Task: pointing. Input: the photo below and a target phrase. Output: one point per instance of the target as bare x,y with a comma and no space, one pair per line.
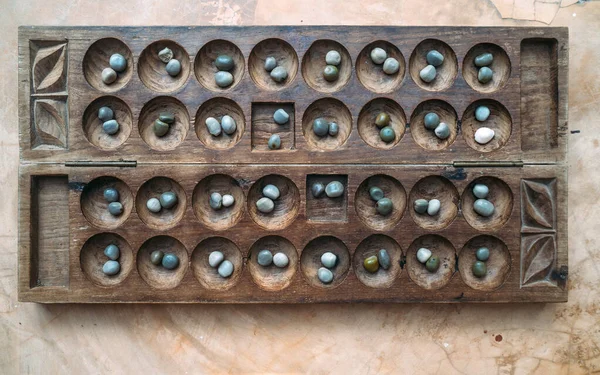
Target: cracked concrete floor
362,339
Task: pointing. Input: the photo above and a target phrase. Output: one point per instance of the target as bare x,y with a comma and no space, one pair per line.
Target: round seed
224,62
270,63
166,117
421,205
333,58
432,263
479,269
215,201
442,131
214,126
371,264
484,59
483,207
434,58
112,252
168,199
481,191
428,73
387,134
317,189
484,135
165,55
328,259
228,200
109,76
382,120
431,120
111,268
320,127
423,255
274,142
325,275
279,74
215,258
334,189
281,116
170,261
156,257
280,260
376,193
223,79
225,269
160,128
482,113
384,259
105,114
228,125
115,208
153,205
265,205
391,66
264,258
271,191
385,206
111,195
334,129
378,55
482,254
173,67
117,62
433,208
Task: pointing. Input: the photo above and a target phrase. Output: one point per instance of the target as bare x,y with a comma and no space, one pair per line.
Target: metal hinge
489,163
108,163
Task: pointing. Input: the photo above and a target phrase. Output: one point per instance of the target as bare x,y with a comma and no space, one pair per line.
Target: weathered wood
60,90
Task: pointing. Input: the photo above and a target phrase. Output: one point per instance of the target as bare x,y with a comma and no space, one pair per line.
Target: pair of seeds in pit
117,64
163,123
426,257
322,127
281,117
167,200
479,267
434,60
484,134
432,122
265,258
109,125
112,266
277,73
384,206
168,261
328,261
224,64
270,194
216,259
374,262
390,65
431,207
483,61
386,132
482,206
111,195
215,127
173,66
217,201
333,189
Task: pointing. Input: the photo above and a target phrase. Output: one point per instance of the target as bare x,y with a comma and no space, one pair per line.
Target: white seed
423,255
227,200
484,135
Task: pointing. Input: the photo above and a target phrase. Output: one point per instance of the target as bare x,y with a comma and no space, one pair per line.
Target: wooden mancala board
67,161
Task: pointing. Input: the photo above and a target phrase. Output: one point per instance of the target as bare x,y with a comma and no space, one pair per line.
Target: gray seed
482,113
264,258
156,257
224,62
428,73
228,200
213,126
271,191
112,252
280,260
421,205
485,74
384,206
168,199
110,127
173,67
118,63
320,127
105,114
434,58
215,201
270,63
170,261
376,193
484,59
111,195
265,205
317,189
325,275
384,259
109,76
481,191
166,117
431,120
215,258
274,142
328,259
482,254
442,131
223,79
434,207
115,208
483,207
153,205
279,74
225,269
160,128
391,66
165,55
111,268
281,116
378,55
228,125
334,189
387,134
334,129
333,58
331,73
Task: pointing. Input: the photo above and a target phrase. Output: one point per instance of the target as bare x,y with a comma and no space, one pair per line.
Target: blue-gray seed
428,73
482,254
105,114
265,205
334,189
228,125
320,127
485,74
170,261
442,131
271,191
482,113
274,142
118,63
376,193
483,207
215,201
391,66
484,59
433,207
214,126
112,252
421,205
281,116
481,191
111,195
264,258
270,63
110,127
325,275
153,205
431,120
224,62
215,258
115,208
378,55
109,76
279,74
173,67
168,199
384,206
317,189
111,268
334,129
434,58
384,259
223,79
225,269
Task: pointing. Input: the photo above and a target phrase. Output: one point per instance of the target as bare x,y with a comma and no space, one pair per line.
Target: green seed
387,134
482,254
376,193
385,206
331,73
479,269
166,117
484,59
156,257
160,128
485,74
382,120
433,263
371,264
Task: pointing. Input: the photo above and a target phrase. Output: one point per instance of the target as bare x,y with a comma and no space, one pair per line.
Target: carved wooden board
67,161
